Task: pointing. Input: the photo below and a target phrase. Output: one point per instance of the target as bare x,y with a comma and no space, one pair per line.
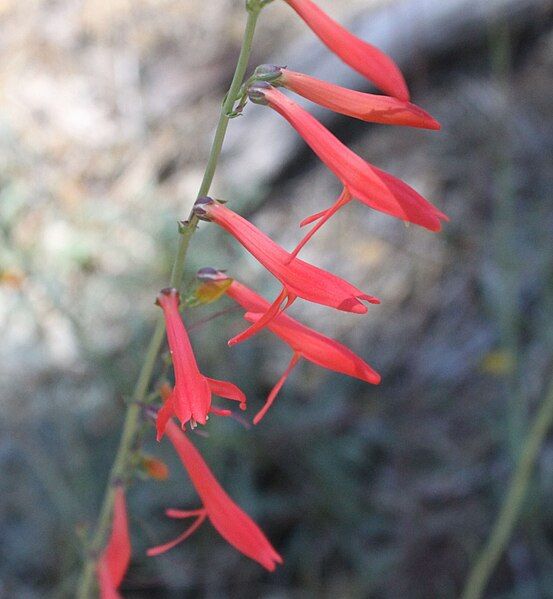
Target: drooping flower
114,561
365,182
366,107
230,521
304,341
364,58
299,279
190,399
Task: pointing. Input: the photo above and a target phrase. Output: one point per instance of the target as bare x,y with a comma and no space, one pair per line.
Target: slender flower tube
366,183
114,561
231,522
299,279
191,397
303,340
366,107
364,58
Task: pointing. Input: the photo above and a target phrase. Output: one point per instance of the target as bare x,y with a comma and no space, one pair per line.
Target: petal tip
371,299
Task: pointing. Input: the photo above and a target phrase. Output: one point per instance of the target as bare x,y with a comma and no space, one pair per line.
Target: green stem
131,427
509,512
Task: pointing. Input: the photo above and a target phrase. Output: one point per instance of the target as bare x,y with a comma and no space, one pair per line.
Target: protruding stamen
190,530
274,310
275,390
344,198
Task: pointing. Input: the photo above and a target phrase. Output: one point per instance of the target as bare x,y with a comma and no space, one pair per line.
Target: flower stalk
132,425
512,504
190,398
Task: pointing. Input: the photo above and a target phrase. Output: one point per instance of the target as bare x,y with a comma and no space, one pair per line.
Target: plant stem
131,427
504,238
512,504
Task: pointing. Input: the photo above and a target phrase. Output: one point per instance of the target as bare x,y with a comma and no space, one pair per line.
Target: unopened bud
200,207
268,72
256,92
211,274
155,468
165,391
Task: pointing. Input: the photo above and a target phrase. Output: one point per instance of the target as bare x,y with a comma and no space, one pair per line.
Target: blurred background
107,111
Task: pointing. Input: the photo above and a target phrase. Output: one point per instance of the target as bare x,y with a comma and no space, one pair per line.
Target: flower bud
211,287
256,92
199,207
165,391
208,273
154,468
268,72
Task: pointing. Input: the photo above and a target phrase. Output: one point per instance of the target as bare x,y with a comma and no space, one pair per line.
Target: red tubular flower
233,524
364,58
303,340
191,397
365,182
367,107
114,561
298,278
